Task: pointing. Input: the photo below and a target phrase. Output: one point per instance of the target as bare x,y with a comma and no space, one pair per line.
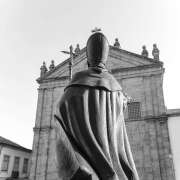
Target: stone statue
43,69
92,142
77,50
52,66
155,52
117,44
144,51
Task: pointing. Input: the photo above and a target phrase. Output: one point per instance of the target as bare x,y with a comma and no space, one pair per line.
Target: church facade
146,118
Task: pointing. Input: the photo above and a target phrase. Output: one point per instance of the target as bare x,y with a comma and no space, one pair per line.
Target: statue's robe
91,114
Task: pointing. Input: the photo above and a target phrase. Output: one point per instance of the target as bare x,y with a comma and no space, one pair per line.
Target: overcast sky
36,30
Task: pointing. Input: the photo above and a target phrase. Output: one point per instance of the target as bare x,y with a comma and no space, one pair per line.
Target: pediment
118,58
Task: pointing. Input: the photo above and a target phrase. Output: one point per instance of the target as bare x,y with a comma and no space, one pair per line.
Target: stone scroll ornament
92,142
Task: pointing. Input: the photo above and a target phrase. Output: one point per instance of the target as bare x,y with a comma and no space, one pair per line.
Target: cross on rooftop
70,51
96,30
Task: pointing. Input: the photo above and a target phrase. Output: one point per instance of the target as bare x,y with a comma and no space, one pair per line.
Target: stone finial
117,44
144,51
77,50
70,62
43,69
52,66
155,52
71,50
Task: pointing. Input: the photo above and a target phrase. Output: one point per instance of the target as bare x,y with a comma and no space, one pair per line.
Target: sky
37,30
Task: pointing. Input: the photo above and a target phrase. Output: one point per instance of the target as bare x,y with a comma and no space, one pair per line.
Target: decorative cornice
61,78
155,63
161,118
113,71
16,148
59,66
136,68
134,54
173,112
42,129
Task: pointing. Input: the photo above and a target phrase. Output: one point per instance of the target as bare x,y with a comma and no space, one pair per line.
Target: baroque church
146,117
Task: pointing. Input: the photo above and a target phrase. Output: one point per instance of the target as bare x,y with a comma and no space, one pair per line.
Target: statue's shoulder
93,73
80,74
96,79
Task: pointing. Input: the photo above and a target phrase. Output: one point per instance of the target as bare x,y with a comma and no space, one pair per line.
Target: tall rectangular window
134,111
5,163
25,166
16,163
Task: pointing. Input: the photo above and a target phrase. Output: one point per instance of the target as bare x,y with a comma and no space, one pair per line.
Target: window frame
3,163
14,165
25,166
132,113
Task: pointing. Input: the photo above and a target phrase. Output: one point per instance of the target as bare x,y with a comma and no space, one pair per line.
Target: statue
77,50
43,69
144,52
117,44
155,52
90,113
52,66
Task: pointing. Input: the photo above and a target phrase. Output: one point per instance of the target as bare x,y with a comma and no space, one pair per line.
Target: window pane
25,165
5,163
16,164
134,112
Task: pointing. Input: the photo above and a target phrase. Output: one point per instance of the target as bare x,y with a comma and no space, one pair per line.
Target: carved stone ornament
155,52
144,51
117,44
52,66
43,69
77,50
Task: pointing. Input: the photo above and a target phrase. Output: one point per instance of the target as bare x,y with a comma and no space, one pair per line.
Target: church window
134,112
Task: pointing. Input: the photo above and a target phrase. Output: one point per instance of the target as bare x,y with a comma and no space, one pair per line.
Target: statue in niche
92,142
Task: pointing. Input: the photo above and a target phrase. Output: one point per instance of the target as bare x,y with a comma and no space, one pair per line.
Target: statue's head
97,49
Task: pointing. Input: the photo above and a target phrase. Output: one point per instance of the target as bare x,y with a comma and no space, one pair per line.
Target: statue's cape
91,115
96,77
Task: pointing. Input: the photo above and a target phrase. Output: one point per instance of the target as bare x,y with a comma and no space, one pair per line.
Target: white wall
174,132
12,153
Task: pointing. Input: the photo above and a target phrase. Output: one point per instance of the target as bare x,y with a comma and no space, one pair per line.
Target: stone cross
70,52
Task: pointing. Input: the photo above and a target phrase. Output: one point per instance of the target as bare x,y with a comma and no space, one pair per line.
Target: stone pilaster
166,163
42,134
34,158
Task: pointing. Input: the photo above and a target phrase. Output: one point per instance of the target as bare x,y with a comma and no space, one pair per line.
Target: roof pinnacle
144,52
43,69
